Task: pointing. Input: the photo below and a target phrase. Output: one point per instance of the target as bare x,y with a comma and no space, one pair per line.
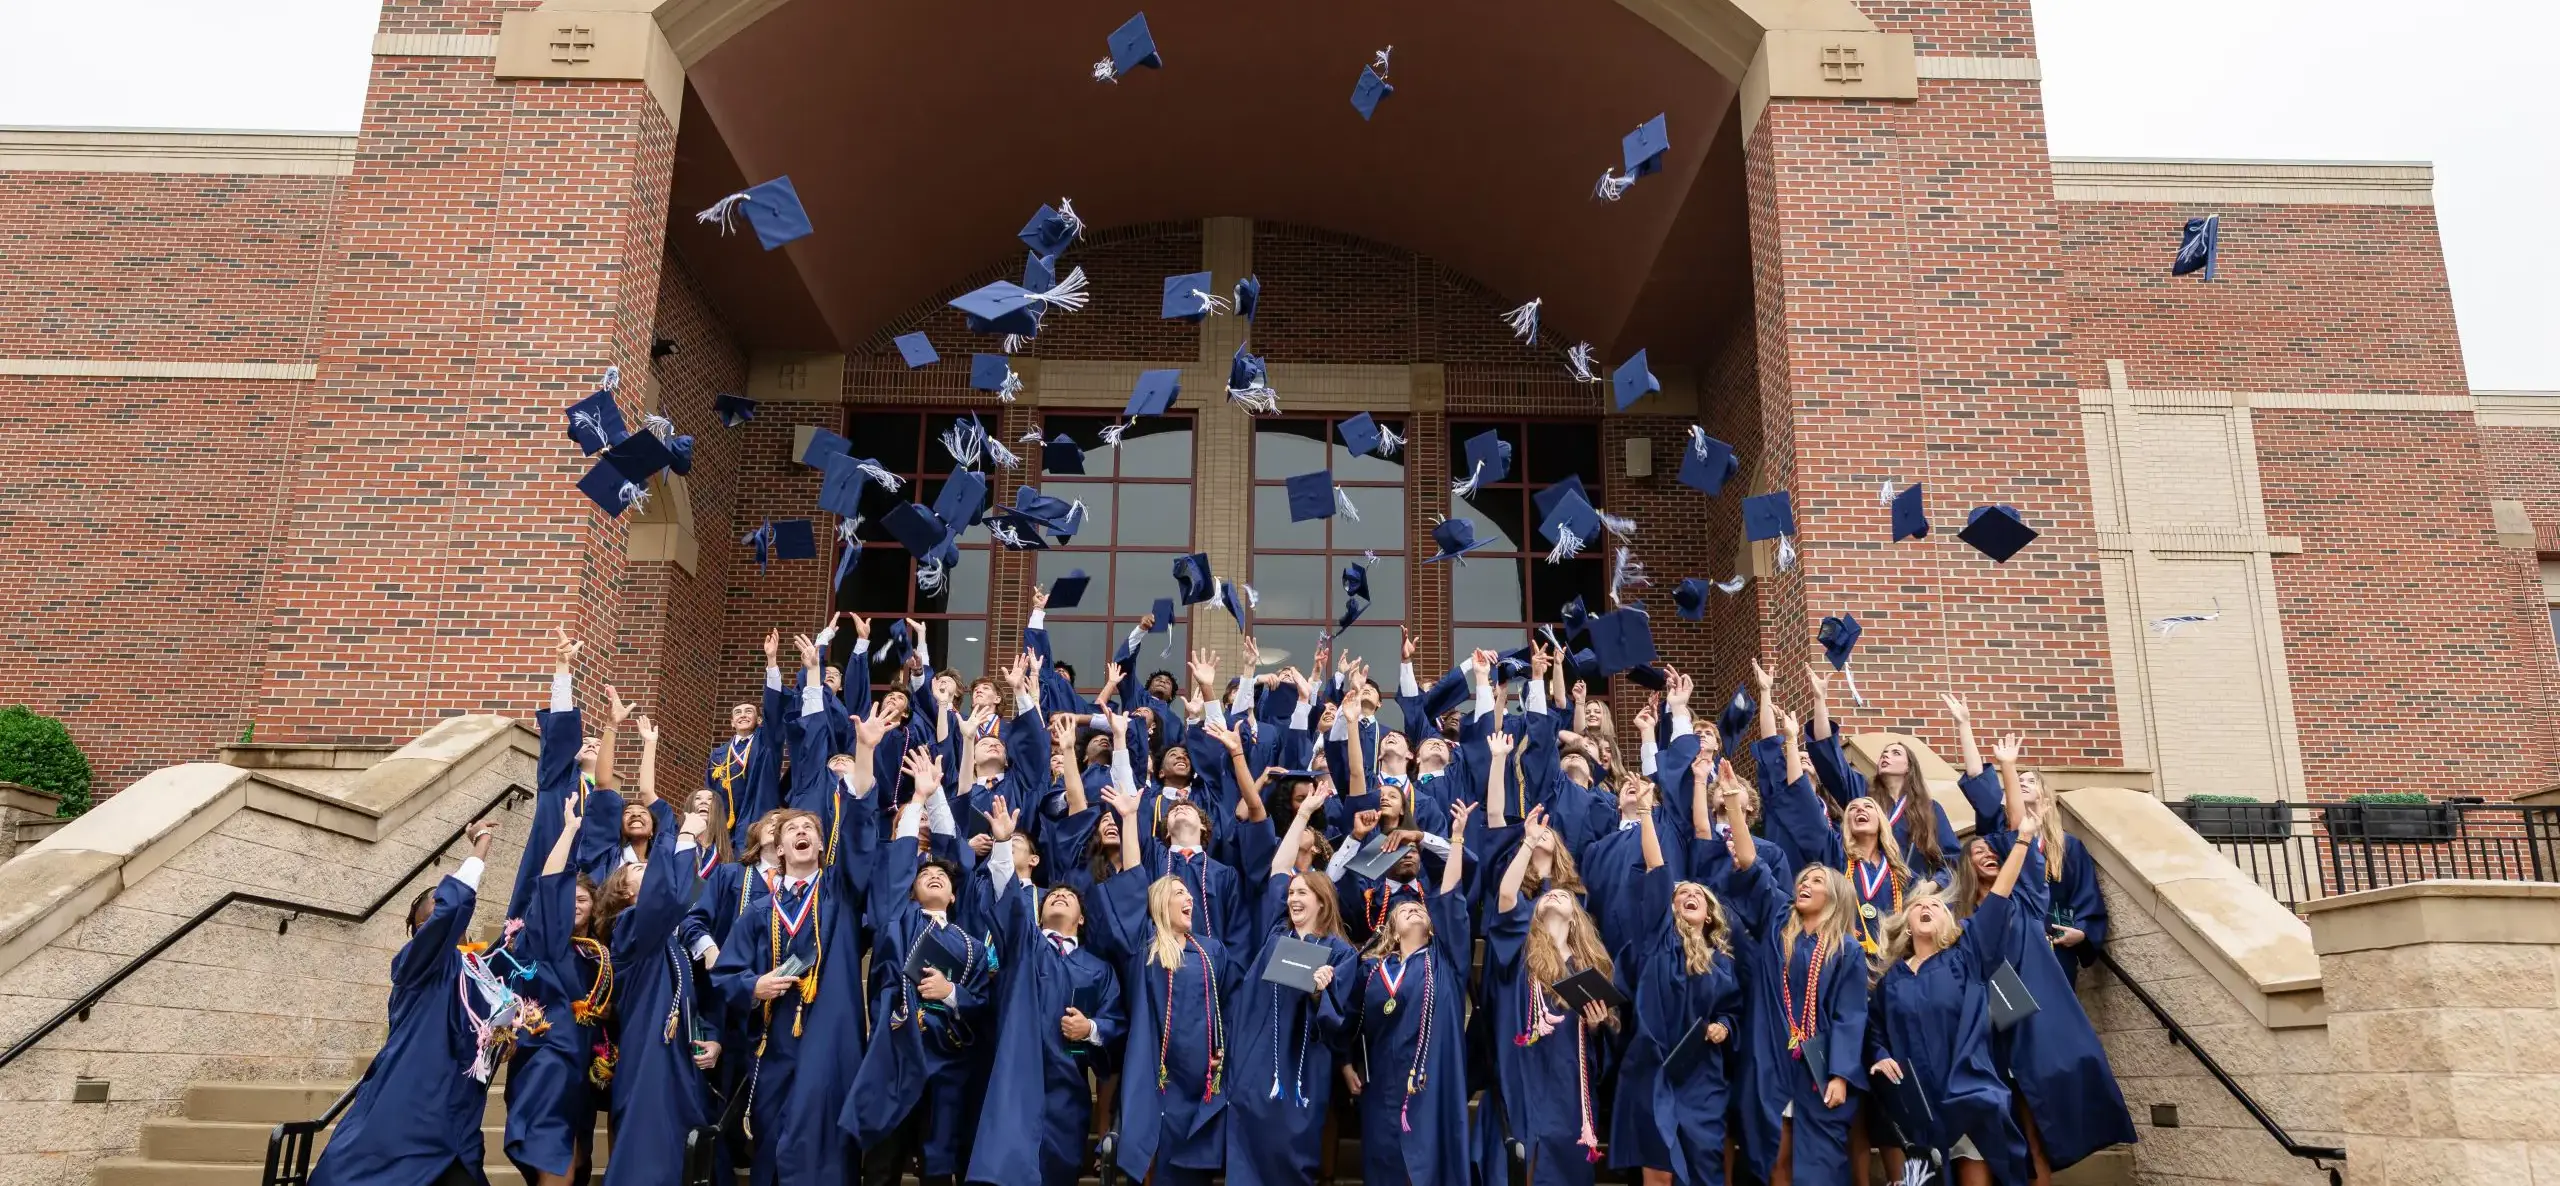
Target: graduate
1862,846
1182,851
1549,1055
1059,1019
1411,1064
1011,762
745,771
1673,1092
793,967
2076,917
550,1110
1805,1018
663,1040
1173,1081
931,998
1284,1044
1897,786
415,1118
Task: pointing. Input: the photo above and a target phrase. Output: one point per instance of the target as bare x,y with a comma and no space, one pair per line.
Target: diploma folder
1294,962
794,967
1376,858
1588,985
2010,1002
1085,997
1906,1110
1691,1050
934,949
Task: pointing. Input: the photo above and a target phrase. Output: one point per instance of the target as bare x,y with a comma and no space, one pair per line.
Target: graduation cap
1163,612
1544,501
1052,229
840,492
2198,246
1062,456
994,372
1622,639
1997,532
917,349
734,409
1248,297
1192,579
1571,525
772,208
1633,380
1067,592
1707,464
679,445
1575,616
1249,383
1015,531
1734,718
1772,516
1187,298
962,501
1154,393
1691,598
1583,665
916,529
1640,151
1369,91
1838,635
1365,437
611,489
1910,515
1061,517
595,422
822,445
1453,538
1488,459
1132,46
640,456
1311,496
1239,598
794,539
1376,858
1007,308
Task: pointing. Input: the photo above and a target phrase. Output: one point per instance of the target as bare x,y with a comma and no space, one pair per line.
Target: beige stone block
2532,1039
2376,1105
2490,1106
2441,974
2445,1162
2544,1157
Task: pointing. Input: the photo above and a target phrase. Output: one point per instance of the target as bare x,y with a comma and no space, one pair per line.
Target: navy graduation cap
1545,500
1008,308
822,445
1355,595
1192,579
1062,455
772,208
1187,298
1642,149
1838,636
1734,721
1690,596
1067,592
1249,383
1622,639
793,539
734,409
916,529
840,492
1575,616
595,422
1707,464
1015,531
1997,531
1488,458
611,489
640,455
1369,91
1162,611
1237,598
1132,46
1910,515
994,372
1248,297
2198,246
1364,436
1768,516
1311,496
1155,392
963,500
1052,229
1633,380
917,349
1060,516
1571,526
1454,538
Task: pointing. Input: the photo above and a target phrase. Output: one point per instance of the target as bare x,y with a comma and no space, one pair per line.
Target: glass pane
1154,516
1154,448
1367,467
1096,496
1552,585
1469,638
1152,654
937,460
1286,646
1382,647
967,587
1500,515
1460,434
1086,432
1561,448
1381,524
966,650
876,503
1084,645
1386,588
881,582
887,437
1291,587
1486,591
1054,564
1287,448
1271,525
1138,579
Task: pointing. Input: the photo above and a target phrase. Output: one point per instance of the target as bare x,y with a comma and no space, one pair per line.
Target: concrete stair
220,1136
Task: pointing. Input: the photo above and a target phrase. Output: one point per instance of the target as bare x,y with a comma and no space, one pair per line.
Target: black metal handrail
291,1144
78,1010
2317,1155
2300,852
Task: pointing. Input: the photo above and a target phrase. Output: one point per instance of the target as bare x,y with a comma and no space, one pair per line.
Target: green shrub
2391,798
36,751
2222,799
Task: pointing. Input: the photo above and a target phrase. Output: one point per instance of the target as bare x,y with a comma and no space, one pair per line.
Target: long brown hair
620,890
1328,904
1546,962
1913,790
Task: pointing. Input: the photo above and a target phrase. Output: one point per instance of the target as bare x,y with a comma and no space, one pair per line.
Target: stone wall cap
2440,911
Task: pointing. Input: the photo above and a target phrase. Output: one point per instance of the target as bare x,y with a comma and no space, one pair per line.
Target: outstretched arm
1761,681
1286,859
1453,874
1964,732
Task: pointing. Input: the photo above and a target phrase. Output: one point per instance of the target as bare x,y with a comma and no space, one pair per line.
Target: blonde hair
1171,944
1700,943
1582,939
2048,824
1561,872
1898,928
1383,940
1832,925
1913,790
1885,844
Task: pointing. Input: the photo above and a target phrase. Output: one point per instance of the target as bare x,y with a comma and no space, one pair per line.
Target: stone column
2444,1029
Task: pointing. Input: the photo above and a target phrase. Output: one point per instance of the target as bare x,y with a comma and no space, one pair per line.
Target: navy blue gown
1173,1100
920,1051
1037,1071
658,1094
1412,1054
1666,1119
1780,1079
1549,1060
550,1114
1936,1023
1282,1054
746,773
417,1113
1845,782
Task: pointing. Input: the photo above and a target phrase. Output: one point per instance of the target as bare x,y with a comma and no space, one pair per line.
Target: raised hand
1459,813
1956,711
1122,803
1539,661
1252,654
1682,687
1787,725
1647,716
1406,646
871,730
772,646
565,648
698,826
2006,750
480,837
1818,683
1314,802
1363,823
647,730
1111,676
861,627
1499,744
925,770
1000,820
1761,679
1203,669
621,708
808,651
1039,598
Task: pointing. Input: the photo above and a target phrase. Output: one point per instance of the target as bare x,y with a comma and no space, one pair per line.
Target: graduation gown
1282,1054
1935,1023
1178,1029
551,1113
1220,912
920,1051
1037,1072
746,774
1779,1078
417,1112
2053,1056
1550,1081
2073,901
1412,1053
1669,1119
1844,782
658,1094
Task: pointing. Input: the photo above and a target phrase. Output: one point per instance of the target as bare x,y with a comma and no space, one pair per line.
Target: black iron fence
2304,851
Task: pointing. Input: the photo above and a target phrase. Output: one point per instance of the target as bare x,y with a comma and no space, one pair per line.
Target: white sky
2302,79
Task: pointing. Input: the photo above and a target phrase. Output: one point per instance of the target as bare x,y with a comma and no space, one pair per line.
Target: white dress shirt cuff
469,873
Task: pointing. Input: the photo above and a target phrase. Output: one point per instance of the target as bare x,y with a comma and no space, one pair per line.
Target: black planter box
2390,823
2237,821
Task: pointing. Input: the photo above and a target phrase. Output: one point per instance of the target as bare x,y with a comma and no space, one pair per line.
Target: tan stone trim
2436,912
2514,524
795,377
2517,409
2340,401
2006,69
435,45
2323,183
131,368
665,532
153,150
597,39
1827,64
2198,541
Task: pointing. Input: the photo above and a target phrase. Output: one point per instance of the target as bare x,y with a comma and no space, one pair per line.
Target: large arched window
882,584
1507,587
1137,499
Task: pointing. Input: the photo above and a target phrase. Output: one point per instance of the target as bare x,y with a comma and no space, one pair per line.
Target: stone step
2106,1167
246,1141
265,1103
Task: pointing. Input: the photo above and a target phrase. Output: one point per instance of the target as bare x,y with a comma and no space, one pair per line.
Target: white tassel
1252,600
1568,546
1583,364
724,212
613,378
1625,573
1069,294
1380,64
1111,433
997,454
1915,1172
1342,503
886,480
1388,441
1884,494
1851,678
1256,400
658,424
1618,525
1004,533
635,497
1732,586
1067,213
1104,71
590,422
1032,437
1075,517
844,531
1012,386
964,441
1467,487
1369,557
1612,187
929,577
1698,441
2171,625
1524,321
1212,304
1786,552
1013,345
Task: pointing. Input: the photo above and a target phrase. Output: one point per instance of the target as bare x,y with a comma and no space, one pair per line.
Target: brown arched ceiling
922,136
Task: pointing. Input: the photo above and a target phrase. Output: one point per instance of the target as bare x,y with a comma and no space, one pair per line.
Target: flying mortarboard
1642,149
916,529
1192,578
1647,675
1997,531
1910,515
917,349
1544,501
1369,91
1691,598
1571,525
1067,592
1187,298
1163,612
1132,46
1052,228
1248,297
1311,496
1488,458
1061,455
595,422
1364,436
1453,538
1238,599
1633,380
840,492
994,372
1734,718
1575,616
794,539
1707,464
1622,639
611,489
772,208
822,445
1015,531
1772,516
1061,517
1154,393
2198,246
1355,595
962,501
1838,635
679,445
1006,308
734,409
1249,383
640,455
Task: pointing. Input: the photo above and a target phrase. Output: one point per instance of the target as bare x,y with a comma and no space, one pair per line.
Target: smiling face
1097,750
1928,915
742,719
800,842
1394,747
1813,892
1986,863
946,687
1062,911
1689,903
893,706
933,887
982,695
704,803
586,907
1160,685
1179,907
1865,818
1595,717
1635,796
1177,764
1304,909
1183,824
637,826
